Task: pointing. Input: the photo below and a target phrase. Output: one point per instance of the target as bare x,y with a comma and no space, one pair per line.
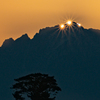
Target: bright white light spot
62,26
69,22
79,24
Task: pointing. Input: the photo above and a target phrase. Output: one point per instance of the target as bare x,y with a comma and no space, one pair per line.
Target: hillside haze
71,55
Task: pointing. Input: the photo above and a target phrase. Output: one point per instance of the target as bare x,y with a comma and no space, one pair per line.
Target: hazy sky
28,16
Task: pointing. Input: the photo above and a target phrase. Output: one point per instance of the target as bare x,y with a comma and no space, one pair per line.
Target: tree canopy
36,86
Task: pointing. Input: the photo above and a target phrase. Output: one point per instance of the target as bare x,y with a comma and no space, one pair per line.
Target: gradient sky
28,16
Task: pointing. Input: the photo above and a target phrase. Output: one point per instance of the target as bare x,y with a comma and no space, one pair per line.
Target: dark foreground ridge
71,54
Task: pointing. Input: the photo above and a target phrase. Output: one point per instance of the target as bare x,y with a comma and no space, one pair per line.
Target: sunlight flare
62,26
69,22
79,25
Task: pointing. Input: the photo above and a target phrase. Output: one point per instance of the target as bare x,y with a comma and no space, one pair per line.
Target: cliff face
71,54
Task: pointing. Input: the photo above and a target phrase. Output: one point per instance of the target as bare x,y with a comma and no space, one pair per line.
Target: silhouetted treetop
37,86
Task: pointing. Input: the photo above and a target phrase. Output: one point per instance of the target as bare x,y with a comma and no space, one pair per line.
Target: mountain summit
8,42
69,52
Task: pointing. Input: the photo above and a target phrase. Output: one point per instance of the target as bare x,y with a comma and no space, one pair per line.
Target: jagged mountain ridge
72,56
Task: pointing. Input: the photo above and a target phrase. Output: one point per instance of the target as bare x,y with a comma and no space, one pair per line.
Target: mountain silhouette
8,42
71,54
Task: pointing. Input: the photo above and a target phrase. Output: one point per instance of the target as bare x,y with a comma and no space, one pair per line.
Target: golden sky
28,16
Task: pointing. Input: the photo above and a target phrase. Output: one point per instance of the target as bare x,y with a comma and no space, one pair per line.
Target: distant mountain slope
71,54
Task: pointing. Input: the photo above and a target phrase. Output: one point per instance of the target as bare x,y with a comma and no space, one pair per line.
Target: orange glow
29,16
69,22
62,26
79,24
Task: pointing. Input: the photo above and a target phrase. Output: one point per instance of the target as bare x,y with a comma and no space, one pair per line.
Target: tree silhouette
36,86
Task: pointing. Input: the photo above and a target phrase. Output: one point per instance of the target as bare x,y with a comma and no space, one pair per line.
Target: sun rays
69,26
62,26
69,22
66,29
